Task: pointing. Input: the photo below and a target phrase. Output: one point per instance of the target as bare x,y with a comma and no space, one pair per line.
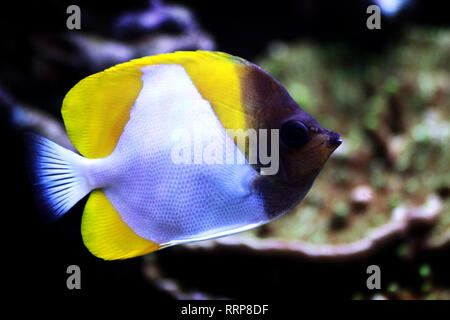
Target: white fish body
154,143
168,202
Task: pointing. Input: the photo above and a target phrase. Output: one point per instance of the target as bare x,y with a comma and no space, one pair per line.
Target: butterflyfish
176,148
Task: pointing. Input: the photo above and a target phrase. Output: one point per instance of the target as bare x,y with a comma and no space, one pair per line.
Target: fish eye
294,134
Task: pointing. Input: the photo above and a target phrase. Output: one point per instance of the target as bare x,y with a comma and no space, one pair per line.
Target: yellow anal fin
106,235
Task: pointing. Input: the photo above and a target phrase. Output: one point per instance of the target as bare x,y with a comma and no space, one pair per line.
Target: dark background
35,256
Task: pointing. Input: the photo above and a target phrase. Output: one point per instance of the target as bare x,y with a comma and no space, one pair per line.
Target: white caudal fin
58,176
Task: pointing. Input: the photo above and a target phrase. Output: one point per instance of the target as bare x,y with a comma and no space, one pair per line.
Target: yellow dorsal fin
96,110
106,235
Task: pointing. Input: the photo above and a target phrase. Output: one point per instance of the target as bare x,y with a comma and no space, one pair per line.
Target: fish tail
58,176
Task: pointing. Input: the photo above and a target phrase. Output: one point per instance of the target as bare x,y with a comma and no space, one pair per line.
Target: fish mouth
334,140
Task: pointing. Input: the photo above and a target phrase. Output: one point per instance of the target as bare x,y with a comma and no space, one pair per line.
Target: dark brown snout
334,140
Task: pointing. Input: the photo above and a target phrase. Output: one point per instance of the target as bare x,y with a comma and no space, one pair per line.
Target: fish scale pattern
159,177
